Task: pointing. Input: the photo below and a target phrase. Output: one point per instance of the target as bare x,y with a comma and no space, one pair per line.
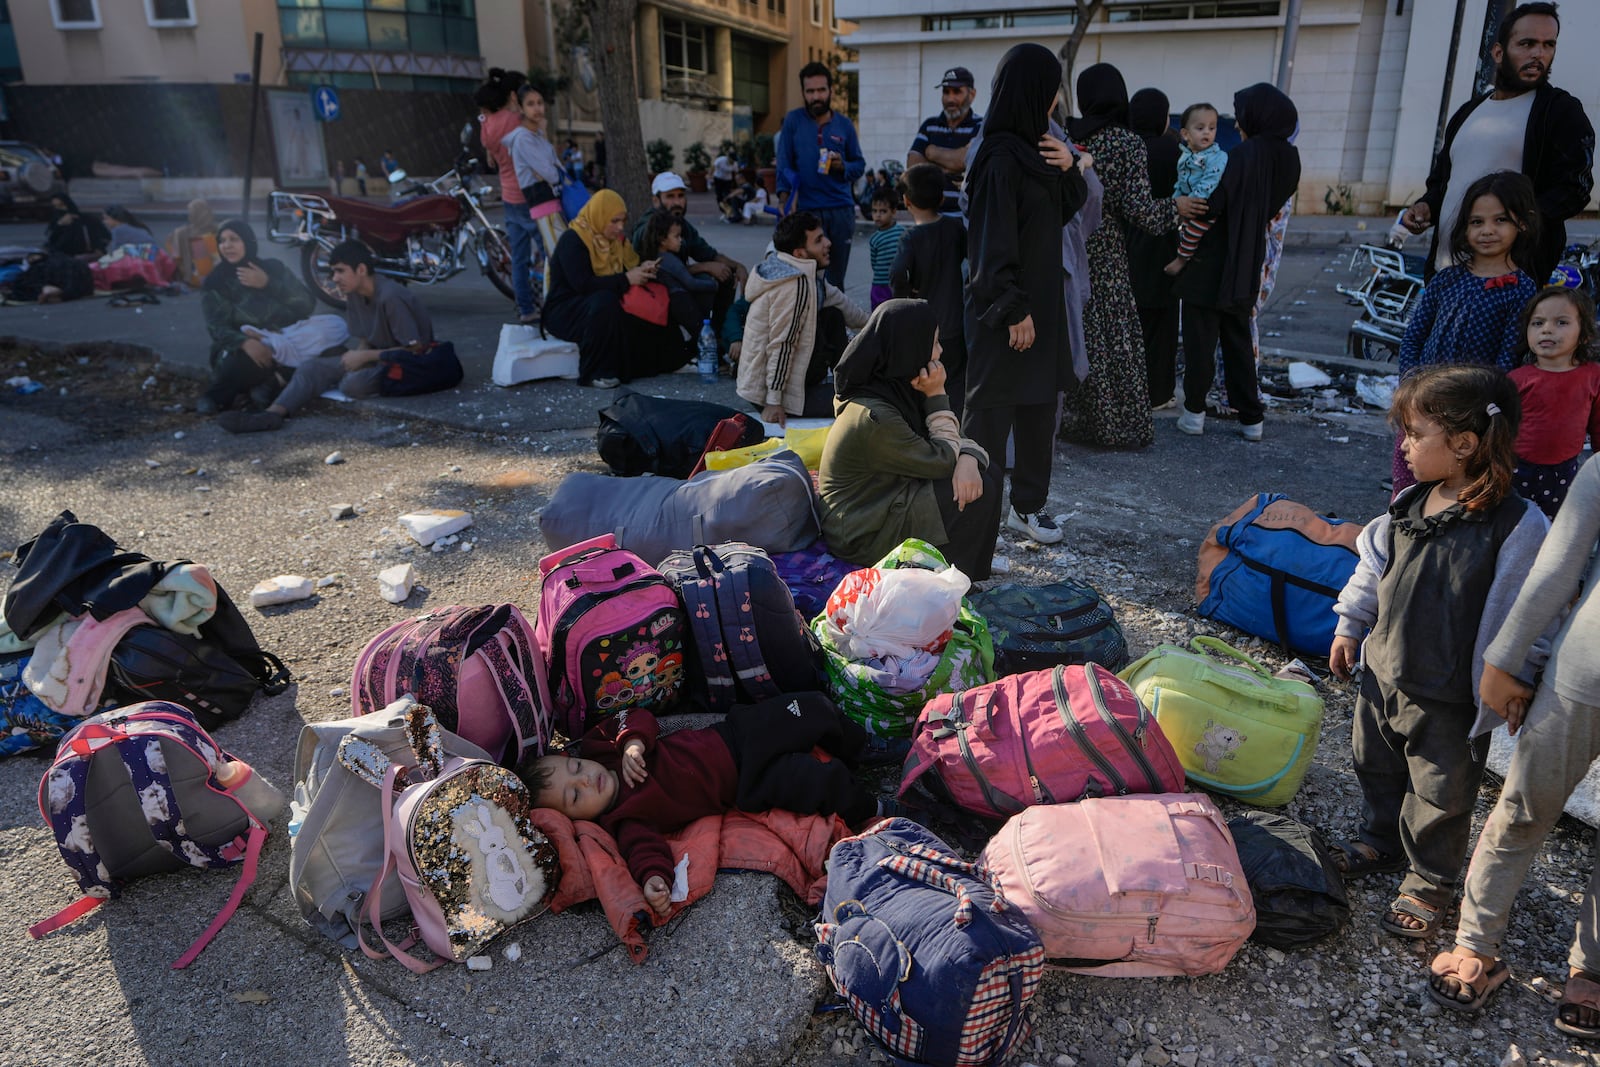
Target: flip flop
1471,973
1405,904
1582,991
1357,859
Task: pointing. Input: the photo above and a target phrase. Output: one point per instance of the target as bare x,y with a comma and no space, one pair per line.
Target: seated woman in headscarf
590,273
1220,286
71,232
895,465
194,244
126,227
260,319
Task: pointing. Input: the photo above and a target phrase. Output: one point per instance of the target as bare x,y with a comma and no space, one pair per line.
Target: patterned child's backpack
140,790
613,634
932,959
478,668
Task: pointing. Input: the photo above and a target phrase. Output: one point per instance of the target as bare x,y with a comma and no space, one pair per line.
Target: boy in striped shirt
884,244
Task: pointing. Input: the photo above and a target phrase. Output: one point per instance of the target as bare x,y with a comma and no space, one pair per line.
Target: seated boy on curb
638,785
382,315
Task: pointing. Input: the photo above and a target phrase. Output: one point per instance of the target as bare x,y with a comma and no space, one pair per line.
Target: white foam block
1305,376
394,583
284,589
426,527
524,356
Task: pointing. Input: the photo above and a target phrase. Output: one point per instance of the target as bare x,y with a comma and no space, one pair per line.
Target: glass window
302,29
395,81
461,36
685,48
427,33
387,5
346,29
353,5
348,79
77,14
299,3
1060,17
426,84
387,32
176,11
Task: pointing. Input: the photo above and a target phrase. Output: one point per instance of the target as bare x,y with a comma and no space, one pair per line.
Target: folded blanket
793,847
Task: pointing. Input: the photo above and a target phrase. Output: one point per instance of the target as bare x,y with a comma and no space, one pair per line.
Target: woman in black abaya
1022,187
1220,285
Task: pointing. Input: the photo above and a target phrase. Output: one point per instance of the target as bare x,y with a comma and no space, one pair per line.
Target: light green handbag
1237,729
967,660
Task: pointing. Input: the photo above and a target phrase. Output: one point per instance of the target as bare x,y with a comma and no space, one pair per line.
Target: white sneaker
1171,402
1252,432
1041,527
605,383
1192,422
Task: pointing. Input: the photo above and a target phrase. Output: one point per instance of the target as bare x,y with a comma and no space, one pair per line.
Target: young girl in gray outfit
1436,578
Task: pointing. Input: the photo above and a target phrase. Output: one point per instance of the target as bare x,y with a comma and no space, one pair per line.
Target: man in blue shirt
819,157
944,138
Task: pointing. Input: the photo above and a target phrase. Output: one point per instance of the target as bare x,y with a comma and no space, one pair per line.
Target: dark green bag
1036,628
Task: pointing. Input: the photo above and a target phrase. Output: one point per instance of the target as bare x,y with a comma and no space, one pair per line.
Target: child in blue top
884,244
1201,162
1470,311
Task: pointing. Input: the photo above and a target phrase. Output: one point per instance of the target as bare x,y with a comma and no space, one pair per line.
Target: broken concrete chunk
479,963
1305,376
426,527
394,583
341,511
283,589
334,458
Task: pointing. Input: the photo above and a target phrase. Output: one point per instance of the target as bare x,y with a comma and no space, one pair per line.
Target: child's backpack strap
373,912
738,625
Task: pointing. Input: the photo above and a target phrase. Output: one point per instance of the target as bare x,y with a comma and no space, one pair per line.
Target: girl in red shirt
1560,386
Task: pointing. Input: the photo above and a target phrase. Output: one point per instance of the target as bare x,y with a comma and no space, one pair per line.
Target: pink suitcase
1044,737
1151,885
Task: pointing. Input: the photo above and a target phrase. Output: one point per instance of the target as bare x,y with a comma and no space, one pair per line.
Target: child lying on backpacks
638,785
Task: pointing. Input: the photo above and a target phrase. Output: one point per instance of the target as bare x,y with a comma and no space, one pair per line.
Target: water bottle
707,364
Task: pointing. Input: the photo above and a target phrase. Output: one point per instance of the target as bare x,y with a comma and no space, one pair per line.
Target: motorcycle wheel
494,255
318,275
1371,349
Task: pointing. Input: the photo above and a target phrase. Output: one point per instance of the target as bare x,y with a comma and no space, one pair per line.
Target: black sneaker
1041,527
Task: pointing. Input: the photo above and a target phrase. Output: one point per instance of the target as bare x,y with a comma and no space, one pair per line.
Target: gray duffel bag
770,504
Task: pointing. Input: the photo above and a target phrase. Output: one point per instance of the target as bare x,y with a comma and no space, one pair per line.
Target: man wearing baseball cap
669,193
943,138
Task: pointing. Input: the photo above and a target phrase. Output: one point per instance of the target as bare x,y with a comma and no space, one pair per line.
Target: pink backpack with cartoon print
613,634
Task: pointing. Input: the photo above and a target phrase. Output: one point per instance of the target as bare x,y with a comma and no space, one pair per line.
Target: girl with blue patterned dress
1470,311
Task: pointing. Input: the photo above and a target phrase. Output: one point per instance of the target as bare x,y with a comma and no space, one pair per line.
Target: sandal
1469,974
1582,991
1357,859
1432,917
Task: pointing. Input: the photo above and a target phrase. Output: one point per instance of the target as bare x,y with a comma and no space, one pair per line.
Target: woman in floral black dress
1112,407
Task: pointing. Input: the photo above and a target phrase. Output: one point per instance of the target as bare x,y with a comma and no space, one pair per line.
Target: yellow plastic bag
807,444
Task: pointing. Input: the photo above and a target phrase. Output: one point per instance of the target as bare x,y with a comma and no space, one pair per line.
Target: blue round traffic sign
325,100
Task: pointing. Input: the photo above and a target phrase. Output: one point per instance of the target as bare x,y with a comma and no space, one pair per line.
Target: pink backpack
1045,737
478,668
1152,884
613,634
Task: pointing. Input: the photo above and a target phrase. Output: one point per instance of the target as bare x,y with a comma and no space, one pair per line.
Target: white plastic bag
895,612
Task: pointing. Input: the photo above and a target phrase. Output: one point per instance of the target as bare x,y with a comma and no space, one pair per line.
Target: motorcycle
1579,269
427,238
1391,283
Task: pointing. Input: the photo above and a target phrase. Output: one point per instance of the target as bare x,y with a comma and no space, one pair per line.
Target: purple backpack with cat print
139,791
613,633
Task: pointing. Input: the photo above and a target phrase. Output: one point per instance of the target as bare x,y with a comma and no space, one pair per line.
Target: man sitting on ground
795,331
382,316
668,193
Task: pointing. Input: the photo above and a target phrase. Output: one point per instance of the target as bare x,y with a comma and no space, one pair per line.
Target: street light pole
1291,32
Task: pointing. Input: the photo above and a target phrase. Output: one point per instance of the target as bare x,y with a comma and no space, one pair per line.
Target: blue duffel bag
930,957
1274,568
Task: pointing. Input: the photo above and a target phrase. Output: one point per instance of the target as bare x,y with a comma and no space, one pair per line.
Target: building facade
1367,75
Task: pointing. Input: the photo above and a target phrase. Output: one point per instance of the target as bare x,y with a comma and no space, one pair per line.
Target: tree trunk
612,33
1088,11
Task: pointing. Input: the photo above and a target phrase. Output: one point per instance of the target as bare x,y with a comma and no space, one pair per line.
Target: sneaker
1041,527
605,383
1252,432
250,421
1192,422
1170,402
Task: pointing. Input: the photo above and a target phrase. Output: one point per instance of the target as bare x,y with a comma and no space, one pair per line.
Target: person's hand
361,357
1022,335
967,483
252,276
720,271
1085,161
734,350
1418,217
1516,713
259,353
930,379
1342,656
644,272
1191,207
658,895
1499,690
835,165
740,275
775,414
633,769
1055,153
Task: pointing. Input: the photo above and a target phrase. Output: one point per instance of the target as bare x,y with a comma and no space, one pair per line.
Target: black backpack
1036,628
1299,893
649,435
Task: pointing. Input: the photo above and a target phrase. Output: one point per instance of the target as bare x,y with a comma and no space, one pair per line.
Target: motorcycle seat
383,224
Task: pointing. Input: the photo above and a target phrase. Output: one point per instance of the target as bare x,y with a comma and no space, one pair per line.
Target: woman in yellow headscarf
592,268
